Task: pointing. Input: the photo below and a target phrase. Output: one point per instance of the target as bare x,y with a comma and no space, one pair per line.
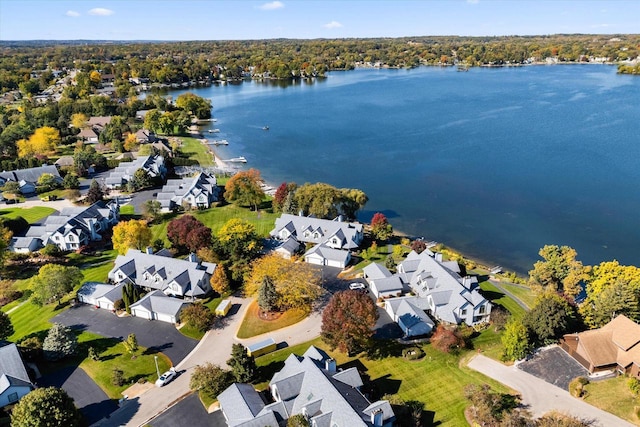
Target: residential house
409,314
25,245
90,135
123,173
14,380
100,295
184,278
74,227
65,162
197,192
613,347
308,385
383,284
28,178
288,248
334,239
157,306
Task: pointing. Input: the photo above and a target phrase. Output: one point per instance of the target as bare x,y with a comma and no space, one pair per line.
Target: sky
243,19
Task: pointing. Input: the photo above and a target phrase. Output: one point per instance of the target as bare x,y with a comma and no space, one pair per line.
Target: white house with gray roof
27,179
157,306
309,385
14,380
70,229
184,278
198,192
333,238
123,173
101,295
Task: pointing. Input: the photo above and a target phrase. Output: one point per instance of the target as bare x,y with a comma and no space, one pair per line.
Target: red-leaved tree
187,233
348,321
447,340
380,227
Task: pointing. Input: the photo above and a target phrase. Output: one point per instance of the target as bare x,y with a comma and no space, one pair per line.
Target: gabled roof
12,370
376,271
30,175
348,232
176,189
241,402
96,290
157,302
329,253
290,246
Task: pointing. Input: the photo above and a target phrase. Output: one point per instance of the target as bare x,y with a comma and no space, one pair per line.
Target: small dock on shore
218,142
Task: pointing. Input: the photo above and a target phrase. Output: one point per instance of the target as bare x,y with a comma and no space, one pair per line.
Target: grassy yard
127,210
525,295
194,149
31,215
437,380
252,325
613,396
496,297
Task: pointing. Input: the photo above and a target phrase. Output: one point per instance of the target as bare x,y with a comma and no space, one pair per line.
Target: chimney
376,418
340,218
193,257
149,250
438,257
330,365
300,213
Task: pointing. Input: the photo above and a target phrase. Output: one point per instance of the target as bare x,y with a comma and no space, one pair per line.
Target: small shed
262,347
223,308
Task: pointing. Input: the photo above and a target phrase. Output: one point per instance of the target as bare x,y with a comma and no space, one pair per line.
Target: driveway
152,334
541,397
138,199
189,412
89,398
554,366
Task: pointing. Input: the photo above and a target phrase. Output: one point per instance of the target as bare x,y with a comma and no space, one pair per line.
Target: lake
494,162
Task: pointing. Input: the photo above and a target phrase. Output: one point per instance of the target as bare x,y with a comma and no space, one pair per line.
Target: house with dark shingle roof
613,347
308,385
123,173
14,380
28,178
184,278
198,192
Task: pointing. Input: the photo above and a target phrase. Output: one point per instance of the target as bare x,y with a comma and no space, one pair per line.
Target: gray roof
25,243
411,318
387,284
154,165
329,253
94,289
12,370
157,302
175,190
30,175
290,246
65,161
316,230
240,402
376,271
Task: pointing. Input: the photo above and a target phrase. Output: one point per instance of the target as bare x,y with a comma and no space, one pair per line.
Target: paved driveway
554,366
540,396
152,334
189,412
89,398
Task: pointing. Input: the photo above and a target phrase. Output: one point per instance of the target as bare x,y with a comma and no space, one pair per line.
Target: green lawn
437,380
252,325
194,149
29,319
127,210
31,215
524,294
496,297
613,395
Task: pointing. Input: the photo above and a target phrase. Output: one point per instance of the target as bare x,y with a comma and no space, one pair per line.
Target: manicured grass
31,215
194,149
524,294
113,355
127,210
252,325
30,319
613,395
190,332
438,380
496,297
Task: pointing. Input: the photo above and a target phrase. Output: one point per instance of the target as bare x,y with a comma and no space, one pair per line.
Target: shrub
117,377
634,386
8,293
413,353
447,340
576,387
50,250
119,304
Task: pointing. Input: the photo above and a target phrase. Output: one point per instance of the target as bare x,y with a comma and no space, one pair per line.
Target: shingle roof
158,302
12,370
329,253
376,271
304,228
240,402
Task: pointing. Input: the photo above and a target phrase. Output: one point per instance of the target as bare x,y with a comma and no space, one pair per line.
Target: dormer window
463,312
482,309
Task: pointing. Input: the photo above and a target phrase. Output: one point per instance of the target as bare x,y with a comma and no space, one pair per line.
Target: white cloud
101,11
333,24
72,13
272,5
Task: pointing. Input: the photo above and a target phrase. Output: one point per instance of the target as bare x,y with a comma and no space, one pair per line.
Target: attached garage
158,306
324,255
100,295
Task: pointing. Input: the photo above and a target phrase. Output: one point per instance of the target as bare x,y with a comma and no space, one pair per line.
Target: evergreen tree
243,366
515,340
289,206
267,295
59,343
95,193
6,327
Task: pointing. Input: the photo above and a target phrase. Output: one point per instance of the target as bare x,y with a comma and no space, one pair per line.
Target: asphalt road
189,412
88,397
152,334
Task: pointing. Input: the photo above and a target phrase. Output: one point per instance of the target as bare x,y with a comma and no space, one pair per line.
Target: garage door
314,260
334,263
86,299
141,313
165,318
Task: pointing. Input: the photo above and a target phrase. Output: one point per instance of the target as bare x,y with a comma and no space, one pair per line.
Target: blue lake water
493,162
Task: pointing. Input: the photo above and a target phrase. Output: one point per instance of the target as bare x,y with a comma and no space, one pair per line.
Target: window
463,312
13,397
482,309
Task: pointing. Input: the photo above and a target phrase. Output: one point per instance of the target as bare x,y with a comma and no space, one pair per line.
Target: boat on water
265,127
214,130
220,142
240,159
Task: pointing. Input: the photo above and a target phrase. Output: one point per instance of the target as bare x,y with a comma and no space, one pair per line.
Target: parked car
357,286
166,378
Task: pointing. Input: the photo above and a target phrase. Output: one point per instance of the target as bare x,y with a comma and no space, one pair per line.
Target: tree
243,366
48,406
132,234
210,379
198,106
283,193
559,271
60,342
152,120
515,340
5,240
380,227
219,280
54,281
298,420
131,142
71,181
244,188
44,140
418,246
95,78
297,284
187,233
130,295
12,188
348,321
151,210
131,344
447,339
47,182
140,180
267,295
117,377
238,240
95,193
79,120
549,319
197,316
6,327
611,289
